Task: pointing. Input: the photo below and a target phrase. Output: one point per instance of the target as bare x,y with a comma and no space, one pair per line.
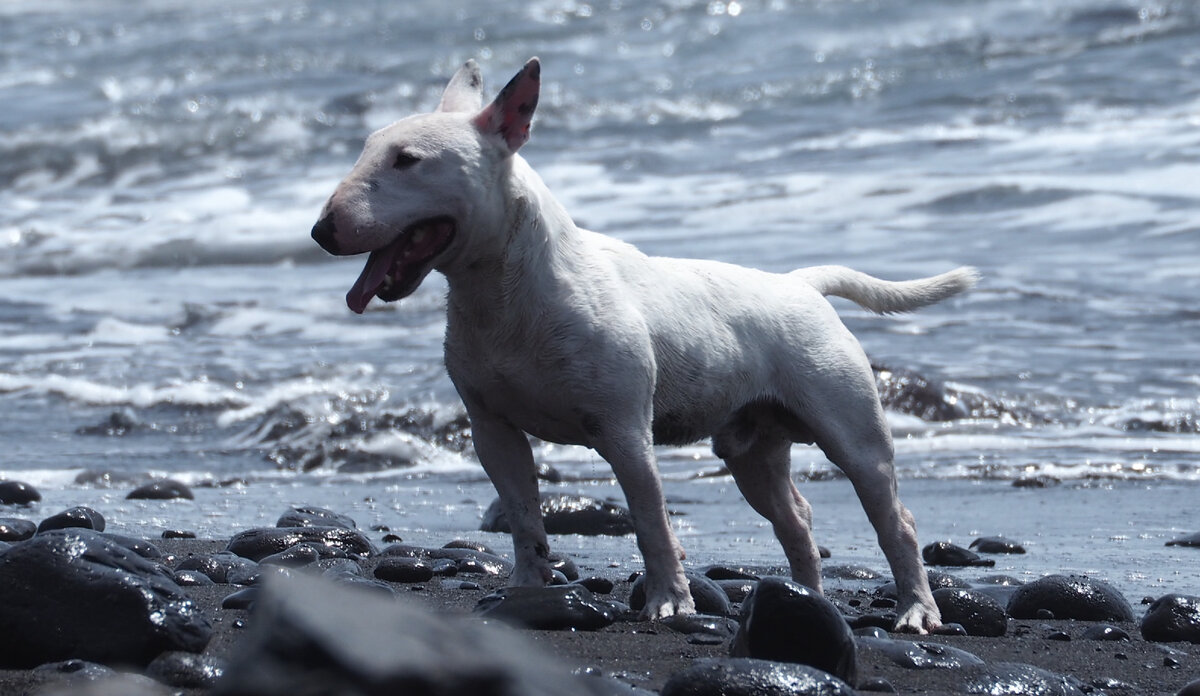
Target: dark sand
646,653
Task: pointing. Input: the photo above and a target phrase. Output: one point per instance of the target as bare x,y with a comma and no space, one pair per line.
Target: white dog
575,337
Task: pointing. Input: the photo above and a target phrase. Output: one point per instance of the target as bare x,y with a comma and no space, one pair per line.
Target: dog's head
423,180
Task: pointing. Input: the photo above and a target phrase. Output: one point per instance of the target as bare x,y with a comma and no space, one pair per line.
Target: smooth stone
707,594
1188,540
308,631
400,569
724,573
221,567
15,529
692,624
296,556
329,566
114,684
186,670
1105,632
555,608
751,677
466,560
785,621
568,514
1192,688
241,599
192,578
74,593
467,544
995,544
264,541
943,553
978,613
178,534
561,563
849,572
18,493
141,547
1173,618
79,516
361,583
737,590
921,654
1070,597
162,489
597,585
75,670
311,516
1017,678
1001,580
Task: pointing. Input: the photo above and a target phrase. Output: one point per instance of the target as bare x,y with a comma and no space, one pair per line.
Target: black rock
472,545
186,670
707,594
568,514
79,516
141,547
996,545
162,489
221,567
467,561
785,621
308,631
178,534
737,590
1070,597
921,654
848,572
1192,688
597,585
724,573
943,553
309,516
1173,618
1189,540
937,580
76,594
242,599
401,569
18,493
563,564
15,529
750,677
555,608
191,578
1104,632
721,627
264,541
296,556
978,613
1016,678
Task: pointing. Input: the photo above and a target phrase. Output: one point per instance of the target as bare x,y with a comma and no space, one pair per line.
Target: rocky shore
316,605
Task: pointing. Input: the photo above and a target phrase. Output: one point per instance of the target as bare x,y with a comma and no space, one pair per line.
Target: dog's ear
465,90
510,115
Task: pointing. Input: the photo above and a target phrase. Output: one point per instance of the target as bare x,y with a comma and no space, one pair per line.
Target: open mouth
397,269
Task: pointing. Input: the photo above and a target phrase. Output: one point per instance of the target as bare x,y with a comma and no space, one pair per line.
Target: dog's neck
529,251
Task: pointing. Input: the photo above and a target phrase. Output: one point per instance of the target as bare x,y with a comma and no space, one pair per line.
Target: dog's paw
919,618
669,601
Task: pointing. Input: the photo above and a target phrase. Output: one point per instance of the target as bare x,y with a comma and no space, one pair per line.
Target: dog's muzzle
325,234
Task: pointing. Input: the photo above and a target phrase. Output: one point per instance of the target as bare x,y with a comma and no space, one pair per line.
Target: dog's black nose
325,234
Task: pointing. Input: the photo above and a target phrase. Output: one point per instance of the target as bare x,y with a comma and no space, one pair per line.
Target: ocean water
163,310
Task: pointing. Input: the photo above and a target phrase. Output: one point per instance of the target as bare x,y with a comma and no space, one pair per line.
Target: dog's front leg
507,458
636,469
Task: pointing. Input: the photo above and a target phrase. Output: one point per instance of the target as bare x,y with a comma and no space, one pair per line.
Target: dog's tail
884,296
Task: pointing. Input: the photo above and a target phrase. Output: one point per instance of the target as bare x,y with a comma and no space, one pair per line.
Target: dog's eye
405,160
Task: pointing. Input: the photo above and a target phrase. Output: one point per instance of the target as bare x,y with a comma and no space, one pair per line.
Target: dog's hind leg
762,473
507,458
636,469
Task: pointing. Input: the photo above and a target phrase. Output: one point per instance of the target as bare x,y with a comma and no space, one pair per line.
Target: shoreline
646,654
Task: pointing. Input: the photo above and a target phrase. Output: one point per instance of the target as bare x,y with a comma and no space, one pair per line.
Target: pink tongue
372,276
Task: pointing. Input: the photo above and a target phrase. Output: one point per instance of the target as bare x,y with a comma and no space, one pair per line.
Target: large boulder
75,593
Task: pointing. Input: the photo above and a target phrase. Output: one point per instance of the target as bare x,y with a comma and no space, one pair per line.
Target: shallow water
162,308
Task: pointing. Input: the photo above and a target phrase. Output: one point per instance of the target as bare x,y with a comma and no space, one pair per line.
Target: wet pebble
849,572
937,580
1017,678
996,544
221,567
178,534
736,590
1104,632
264,541
1188,540
1069,597
15,529
921,654
707,594
554,608
721,627
785,621
311,516
725,573
74,593
162,489
186,670
568,514
1173,618
979,614
943,553
241,599
79,516
18,493
597,585
403,569
752,677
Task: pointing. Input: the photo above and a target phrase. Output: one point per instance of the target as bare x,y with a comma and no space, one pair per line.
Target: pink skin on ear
510,115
